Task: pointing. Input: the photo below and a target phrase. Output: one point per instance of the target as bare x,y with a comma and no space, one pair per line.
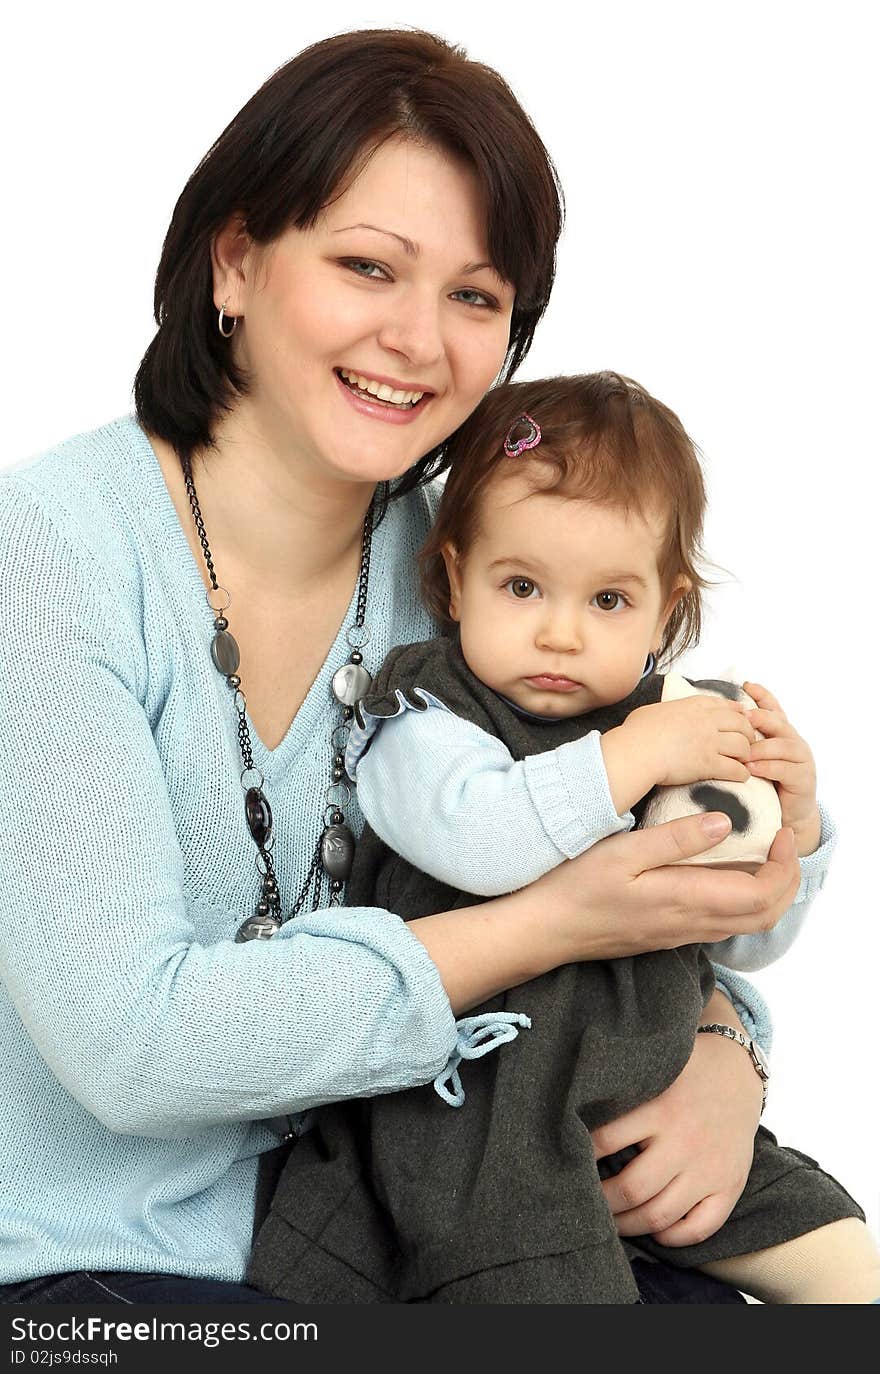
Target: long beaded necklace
334,851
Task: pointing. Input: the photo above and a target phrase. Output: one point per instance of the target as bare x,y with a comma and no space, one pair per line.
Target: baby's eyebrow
623,577
536,566
514,560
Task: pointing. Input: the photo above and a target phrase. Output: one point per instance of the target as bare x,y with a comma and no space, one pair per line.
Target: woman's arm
449,798
623,897
695,1141
138,1000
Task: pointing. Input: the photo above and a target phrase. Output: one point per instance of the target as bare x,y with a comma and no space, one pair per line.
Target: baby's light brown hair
604,439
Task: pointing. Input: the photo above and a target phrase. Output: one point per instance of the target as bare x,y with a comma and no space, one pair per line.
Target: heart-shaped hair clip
524,434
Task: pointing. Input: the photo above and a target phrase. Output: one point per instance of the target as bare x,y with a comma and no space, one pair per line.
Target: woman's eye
609,601
522,587
365,267
477,298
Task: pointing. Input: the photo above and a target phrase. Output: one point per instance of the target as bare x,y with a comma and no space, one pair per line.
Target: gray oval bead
337,851
225,653
350,683
257,928
258,813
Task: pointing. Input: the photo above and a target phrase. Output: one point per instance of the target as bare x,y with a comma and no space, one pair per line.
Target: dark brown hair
604,438
286,154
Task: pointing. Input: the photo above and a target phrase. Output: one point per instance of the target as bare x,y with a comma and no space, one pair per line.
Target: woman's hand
696,1142
622,897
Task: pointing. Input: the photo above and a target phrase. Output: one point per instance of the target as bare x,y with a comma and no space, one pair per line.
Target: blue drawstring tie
477,1035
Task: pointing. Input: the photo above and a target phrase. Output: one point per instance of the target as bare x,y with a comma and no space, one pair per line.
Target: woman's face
392,287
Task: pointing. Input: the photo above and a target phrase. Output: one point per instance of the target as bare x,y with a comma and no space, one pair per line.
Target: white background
721,243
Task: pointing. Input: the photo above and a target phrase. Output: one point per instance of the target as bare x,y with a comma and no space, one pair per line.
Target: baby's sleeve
451,800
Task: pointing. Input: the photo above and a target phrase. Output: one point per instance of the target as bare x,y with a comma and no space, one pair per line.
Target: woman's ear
229,249
453,572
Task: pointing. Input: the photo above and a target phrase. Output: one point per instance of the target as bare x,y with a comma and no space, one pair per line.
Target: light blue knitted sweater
144,1053
142,1048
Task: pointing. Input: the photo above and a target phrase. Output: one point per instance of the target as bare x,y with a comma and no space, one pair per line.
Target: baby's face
559,600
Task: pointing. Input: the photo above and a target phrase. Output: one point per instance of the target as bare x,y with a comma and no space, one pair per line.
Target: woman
380,215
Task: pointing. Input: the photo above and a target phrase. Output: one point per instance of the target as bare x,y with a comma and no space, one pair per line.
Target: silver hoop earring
650,664
227,333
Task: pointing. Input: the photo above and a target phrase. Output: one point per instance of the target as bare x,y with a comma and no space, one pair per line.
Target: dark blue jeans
100,1287
662,1282
658,1282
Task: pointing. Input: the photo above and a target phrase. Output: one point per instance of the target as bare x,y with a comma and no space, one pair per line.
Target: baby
564,562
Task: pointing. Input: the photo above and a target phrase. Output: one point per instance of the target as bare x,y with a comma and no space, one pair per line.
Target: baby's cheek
474,649
621,679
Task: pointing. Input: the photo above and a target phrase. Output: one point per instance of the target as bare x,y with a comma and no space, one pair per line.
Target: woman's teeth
380,391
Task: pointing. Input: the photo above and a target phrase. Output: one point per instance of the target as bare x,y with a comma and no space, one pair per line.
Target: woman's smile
395,404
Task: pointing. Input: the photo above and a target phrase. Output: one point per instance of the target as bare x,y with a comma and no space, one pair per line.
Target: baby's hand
696,739
785,759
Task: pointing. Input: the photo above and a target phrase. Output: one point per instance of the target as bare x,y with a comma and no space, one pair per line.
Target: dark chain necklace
333,854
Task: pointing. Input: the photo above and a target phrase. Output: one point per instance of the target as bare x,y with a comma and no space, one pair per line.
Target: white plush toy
753,806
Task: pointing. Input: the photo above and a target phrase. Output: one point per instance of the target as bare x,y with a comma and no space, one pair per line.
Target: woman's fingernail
715,824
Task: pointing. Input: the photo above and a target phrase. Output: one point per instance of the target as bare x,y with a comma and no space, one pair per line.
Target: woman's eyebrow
412,249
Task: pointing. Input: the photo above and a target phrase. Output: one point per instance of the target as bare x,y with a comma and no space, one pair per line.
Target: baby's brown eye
609,601
521,587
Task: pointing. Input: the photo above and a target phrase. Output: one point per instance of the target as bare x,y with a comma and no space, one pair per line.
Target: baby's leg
838,1263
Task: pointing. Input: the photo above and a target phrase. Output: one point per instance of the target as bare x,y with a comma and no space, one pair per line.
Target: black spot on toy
709,796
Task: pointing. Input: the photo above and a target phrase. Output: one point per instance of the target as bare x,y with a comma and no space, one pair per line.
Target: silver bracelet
755,1053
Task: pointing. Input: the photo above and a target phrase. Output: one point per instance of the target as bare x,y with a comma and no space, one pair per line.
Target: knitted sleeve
748,1004
751,952
152,1032
450,799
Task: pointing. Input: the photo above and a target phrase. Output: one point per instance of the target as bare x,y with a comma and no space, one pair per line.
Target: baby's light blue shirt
450,799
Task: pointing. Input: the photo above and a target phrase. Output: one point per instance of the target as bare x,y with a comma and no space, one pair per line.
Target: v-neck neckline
318,702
